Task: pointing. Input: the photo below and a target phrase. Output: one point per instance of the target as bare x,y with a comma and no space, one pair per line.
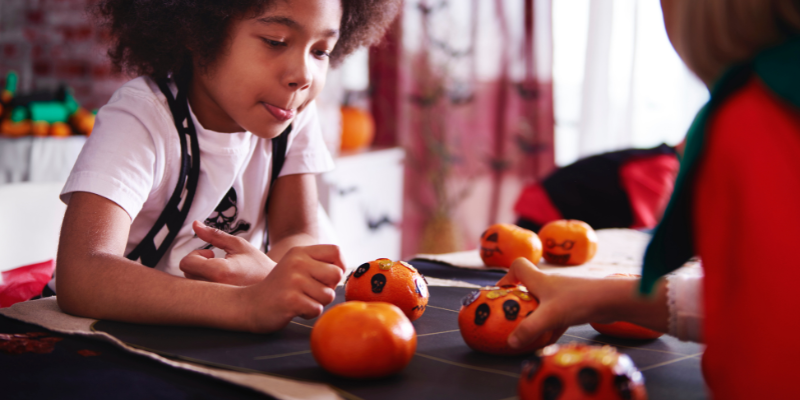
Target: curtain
475,115
619,82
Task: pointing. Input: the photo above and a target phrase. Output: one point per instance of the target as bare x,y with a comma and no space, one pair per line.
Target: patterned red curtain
466,88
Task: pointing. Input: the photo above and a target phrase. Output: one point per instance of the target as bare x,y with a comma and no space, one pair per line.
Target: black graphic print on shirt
224,216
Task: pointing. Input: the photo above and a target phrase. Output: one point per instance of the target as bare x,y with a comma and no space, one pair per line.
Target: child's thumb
533,326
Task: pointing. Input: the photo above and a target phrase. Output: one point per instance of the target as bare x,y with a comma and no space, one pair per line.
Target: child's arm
95,280
292,223
567,301
292,214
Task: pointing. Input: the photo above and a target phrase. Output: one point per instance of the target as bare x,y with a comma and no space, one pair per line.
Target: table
442,368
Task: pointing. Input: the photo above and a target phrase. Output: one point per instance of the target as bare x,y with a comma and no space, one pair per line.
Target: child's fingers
321,294
521,270
541,320
219,239
328,274
326,253
200,265
306,307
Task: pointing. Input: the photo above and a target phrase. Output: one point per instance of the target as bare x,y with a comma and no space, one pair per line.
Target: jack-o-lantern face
626,330
395,282
501,244
489,315
568,242
577,371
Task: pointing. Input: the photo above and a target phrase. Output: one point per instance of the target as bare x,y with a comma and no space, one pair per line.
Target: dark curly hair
153,37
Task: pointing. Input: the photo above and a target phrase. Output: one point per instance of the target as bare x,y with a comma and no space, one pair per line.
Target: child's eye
273,43
321,54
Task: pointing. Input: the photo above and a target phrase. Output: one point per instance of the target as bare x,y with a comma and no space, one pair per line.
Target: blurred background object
471,101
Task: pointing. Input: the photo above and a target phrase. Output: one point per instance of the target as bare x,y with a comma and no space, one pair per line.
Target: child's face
274,65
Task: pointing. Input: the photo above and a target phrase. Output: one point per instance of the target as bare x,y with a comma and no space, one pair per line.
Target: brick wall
49,42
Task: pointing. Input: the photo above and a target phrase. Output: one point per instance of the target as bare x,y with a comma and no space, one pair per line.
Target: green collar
673,242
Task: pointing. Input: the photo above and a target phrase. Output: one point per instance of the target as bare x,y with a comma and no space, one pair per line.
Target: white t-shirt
133,159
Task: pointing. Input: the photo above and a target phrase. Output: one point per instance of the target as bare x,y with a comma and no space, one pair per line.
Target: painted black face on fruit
482,314
361,270
378,282
490,245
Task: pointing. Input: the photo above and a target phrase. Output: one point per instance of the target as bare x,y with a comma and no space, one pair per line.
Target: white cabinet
363,197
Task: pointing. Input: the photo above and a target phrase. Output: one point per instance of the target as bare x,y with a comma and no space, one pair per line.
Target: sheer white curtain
618,81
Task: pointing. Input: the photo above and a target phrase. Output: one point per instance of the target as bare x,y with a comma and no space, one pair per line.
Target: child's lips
279,113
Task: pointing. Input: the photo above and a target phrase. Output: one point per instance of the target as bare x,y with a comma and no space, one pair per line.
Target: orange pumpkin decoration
489,315
60,129
578,371
626,330
40,128
568,242
11,128
358,129
363,340
395,282
501,244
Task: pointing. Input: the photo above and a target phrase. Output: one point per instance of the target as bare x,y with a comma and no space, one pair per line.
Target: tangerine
489,315
501,244
626,330
395,282
568,242
578,371
358,128
363,340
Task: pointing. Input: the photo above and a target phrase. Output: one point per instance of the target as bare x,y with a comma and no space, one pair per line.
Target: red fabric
746,218
535,205
649,183
20,284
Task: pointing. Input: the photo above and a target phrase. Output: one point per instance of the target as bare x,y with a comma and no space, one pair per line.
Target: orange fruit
60,129
363,340
626,330
395,282
501,244
568,242
358,128
40,128
578,371
490,314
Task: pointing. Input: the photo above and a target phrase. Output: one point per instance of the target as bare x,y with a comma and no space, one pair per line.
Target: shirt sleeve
123,160
307,151
684,300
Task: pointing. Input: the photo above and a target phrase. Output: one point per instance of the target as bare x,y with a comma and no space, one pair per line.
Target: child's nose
298,74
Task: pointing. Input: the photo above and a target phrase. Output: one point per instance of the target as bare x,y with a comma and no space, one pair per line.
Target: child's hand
243,264
301,284
563,301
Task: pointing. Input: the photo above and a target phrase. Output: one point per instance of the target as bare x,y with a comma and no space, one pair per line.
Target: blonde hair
714,34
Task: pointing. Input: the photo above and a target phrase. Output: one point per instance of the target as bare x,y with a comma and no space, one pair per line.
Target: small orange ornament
363,340
626,330
489,315
578,371
10,128
358,128
40,128
60,129
568,242
501,244
395,282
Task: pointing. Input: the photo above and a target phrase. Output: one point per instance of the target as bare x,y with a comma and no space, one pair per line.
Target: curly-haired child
734,205
219,126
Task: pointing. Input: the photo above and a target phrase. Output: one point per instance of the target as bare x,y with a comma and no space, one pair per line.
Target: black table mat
443,366
109,373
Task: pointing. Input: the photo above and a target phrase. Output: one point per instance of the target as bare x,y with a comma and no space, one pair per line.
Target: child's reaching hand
243,264
565,301
301,284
